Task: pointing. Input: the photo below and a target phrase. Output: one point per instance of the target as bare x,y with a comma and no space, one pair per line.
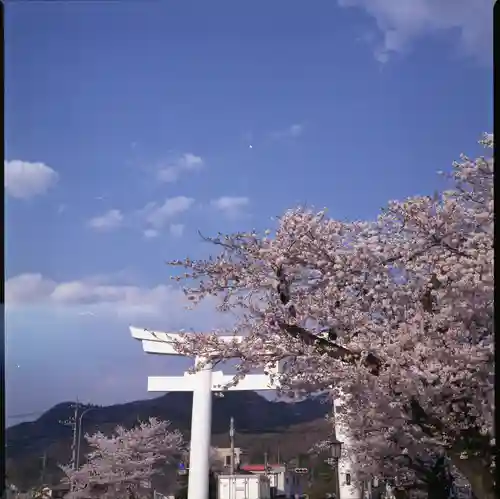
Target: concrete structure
349,488
202,384
283,482
223,454
243,487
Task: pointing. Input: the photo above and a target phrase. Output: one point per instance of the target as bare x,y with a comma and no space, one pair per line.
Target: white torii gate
202,384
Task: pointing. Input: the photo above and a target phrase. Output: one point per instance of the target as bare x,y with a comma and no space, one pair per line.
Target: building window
227,460
348,479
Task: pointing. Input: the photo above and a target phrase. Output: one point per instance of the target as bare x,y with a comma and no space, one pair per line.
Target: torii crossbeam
202,384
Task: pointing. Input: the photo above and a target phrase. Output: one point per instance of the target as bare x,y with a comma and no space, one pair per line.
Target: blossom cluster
123,464
406,301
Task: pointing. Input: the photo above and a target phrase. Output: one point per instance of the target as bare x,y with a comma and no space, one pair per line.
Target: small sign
301,471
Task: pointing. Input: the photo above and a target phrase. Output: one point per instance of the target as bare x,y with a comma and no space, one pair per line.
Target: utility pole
44,466
73,422
265,463
231,438
75,433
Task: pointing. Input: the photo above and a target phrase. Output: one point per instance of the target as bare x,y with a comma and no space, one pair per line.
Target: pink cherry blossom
121,465
396,312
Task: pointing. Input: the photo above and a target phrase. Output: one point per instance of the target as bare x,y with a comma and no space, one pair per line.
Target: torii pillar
202,384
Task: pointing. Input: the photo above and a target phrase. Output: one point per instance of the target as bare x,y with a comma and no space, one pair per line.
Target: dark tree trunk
401,493
478,474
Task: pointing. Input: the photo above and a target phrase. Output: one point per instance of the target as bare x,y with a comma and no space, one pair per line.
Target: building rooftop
260,467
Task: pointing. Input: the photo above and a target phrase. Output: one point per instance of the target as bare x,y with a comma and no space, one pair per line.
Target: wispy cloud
112,219
86,306
292,131
177,230
174,169
404,21
151,233
149,220
157,215
93,297
231,206
24,180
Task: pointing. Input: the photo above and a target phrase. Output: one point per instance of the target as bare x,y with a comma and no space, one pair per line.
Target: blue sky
132,125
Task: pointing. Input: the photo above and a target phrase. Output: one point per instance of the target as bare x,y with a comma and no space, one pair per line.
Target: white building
223,454
283,482
243,487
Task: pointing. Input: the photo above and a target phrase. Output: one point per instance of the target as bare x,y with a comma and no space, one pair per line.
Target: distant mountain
27,442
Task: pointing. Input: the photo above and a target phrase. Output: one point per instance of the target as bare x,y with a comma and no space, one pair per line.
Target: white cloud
292,131
168,174
229,202
191,162
96,297
296,130
91,316
24,180
27,288
113,219
151,233
157,216
177,230
231,206
404,21
184,163
149,220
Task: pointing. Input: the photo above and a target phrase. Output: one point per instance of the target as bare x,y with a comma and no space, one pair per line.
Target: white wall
277,479
352,491
221,453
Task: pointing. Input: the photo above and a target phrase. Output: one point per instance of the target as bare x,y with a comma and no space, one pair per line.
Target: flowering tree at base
122,465
397,313
419,467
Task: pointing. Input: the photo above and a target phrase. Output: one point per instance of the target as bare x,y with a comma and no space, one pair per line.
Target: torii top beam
156,342
162,343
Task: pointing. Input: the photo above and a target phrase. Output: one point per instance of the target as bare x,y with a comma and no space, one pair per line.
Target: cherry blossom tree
396,312
402,458
123,464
